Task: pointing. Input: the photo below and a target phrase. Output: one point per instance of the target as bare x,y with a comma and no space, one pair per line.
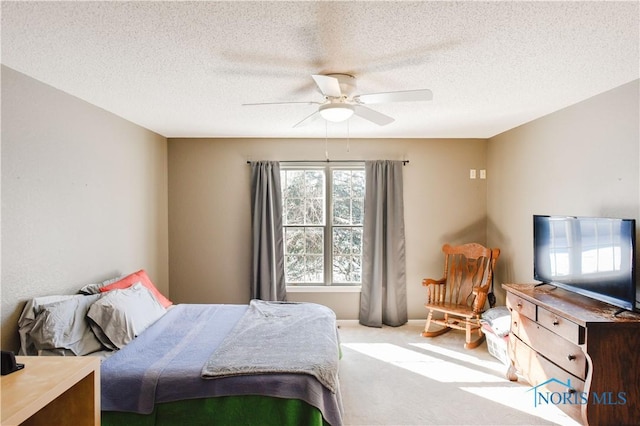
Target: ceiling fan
340,102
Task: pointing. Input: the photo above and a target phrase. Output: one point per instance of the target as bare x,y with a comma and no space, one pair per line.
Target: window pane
356,269
347,255
315,269
292,182
357,241
314,240
304,269
294,240
294,268
293,212
347,240
342,183
357,183
304,250
315,183
342,241
357,211
340,269
303,195
341,211
347,269
303,240
315,211
293,191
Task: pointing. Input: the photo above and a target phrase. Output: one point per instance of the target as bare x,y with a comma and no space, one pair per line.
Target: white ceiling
184,69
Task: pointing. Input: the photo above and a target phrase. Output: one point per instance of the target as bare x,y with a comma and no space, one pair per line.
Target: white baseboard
352,322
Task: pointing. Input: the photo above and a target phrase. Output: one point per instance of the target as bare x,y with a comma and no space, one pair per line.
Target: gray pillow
63,325
28,316
121,315
95,288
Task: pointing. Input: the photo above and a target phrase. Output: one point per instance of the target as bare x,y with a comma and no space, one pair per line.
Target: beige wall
209,216
84,197
583,160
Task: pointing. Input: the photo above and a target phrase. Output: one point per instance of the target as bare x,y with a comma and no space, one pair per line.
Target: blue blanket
164,364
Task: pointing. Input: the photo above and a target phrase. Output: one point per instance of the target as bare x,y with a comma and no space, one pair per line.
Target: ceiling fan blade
308,119
329,86
373,116
283,103
401,96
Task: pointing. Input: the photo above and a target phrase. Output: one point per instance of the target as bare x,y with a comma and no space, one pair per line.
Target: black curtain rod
404,162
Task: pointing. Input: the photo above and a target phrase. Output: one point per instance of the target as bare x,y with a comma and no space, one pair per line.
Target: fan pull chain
326,141
348,137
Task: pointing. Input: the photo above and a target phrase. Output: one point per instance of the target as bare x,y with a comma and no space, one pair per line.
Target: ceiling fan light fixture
336,112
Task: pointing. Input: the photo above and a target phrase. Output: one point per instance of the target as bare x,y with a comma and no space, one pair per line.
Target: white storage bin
497,347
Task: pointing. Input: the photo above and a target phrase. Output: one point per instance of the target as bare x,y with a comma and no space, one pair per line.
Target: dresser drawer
523,307
561,326
538,370
560,351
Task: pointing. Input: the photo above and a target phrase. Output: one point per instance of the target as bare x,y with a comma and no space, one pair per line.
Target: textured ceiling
184,69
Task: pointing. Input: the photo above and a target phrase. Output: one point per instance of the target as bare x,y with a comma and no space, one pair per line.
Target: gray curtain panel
267,268
384,289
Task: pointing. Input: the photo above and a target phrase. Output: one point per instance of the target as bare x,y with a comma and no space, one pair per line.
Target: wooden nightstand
52,391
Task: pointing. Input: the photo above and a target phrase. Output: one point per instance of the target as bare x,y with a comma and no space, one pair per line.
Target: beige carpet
394,376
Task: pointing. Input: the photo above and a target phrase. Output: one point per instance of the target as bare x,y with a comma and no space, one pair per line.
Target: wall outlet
472,173
483,174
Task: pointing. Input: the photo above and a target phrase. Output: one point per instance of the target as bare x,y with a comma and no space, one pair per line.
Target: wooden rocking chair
462,293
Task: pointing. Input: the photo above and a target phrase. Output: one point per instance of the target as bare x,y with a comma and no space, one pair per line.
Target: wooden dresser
577,353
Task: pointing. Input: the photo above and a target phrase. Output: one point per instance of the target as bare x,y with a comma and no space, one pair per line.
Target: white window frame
328,284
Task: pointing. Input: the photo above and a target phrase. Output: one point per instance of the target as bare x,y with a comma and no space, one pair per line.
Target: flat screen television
591,256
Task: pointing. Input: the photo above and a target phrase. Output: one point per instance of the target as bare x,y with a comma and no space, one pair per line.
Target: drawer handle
556,321
571,357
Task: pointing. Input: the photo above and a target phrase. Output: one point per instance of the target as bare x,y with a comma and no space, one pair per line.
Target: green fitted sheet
228,410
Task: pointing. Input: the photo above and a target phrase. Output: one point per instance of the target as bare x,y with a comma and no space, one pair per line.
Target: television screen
590,256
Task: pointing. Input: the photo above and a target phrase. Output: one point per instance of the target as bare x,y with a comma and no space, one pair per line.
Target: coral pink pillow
141,277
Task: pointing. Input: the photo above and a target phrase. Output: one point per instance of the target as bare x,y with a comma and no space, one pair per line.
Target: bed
262,363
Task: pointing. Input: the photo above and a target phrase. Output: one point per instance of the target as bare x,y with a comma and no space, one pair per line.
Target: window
323,214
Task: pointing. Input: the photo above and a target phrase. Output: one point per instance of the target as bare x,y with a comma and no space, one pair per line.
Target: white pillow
498,319
121,315
63,325
501,326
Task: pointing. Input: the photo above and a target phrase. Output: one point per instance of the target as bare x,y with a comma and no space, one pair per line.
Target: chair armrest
428,281
480,298
436,289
